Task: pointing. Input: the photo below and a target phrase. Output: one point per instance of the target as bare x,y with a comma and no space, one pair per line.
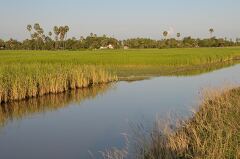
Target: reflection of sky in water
97,123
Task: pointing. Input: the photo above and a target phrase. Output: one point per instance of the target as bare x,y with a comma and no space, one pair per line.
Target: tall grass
33,80
213,132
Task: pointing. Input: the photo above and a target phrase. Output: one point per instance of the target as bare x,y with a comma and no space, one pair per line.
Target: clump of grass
116,153
19,82
213,132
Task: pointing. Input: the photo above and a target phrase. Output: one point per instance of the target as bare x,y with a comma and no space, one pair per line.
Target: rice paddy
26,74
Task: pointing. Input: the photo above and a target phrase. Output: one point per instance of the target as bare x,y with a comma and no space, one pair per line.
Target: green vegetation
41,41
26,74
23,81
126,63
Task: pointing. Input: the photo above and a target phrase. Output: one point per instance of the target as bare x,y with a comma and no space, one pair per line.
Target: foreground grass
26,74
213,132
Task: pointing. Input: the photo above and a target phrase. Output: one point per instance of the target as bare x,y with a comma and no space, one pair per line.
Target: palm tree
50,33
211,30
36,26
81,38
66,29
165,34
61,32
178,42
29,28
36,34
178,35
56,32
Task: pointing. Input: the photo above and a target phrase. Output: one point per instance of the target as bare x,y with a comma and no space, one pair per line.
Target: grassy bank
213,132
33,80
26,74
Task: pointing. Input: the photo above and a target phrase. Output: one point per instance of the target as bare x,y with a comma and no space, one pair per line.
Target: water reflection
21,109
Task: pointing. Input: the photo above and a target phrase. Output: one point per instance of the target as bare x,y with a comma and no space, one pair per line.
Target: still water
73,124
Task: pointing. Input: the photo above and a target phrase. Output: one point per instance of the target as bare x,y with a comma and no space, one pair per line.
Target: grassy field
163,57
126,63
26,74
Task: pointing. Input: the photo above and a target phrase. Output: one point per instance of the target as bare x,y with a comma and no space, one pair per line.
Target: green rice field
26,74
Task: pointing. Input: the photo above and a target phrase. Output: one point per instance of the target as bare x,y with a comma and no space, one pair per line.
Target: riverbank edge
212,132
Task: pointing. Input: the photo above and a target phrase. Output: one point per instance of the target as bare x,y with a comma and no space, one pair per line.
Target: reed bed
213,132
19,82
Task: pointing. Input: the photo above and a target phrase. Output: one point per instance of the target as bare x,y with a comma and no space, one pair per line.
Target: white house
110,46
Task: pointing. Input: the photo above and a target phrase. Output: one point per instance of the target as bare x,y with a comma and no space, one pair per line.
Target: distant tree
165,34
81,38
61,31
50,33
2,44
66,29
41,41
56,32
38,36
36,26
211,31
29,28
178,35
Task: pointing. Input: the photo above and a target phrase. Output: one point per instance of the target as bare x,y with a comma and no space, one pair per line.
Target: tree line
58,40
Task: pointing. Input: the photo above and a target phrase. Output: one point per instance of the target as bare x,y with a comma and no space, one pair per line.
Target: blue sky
122,18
